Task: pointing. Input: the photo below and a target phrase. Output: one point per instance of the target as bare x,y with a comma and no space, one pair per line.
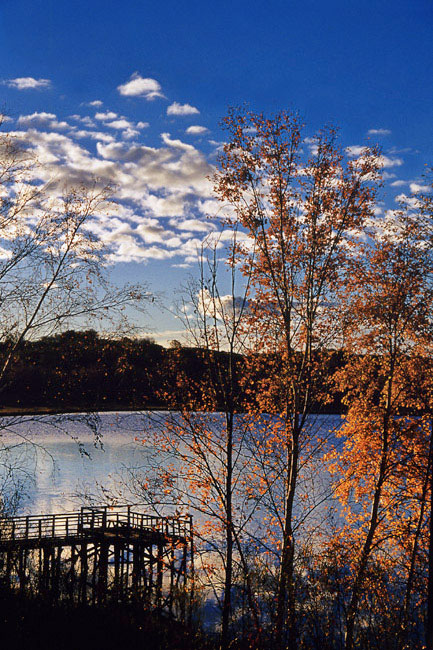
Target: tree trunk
352,609
405,614
286,587
228,578
429,620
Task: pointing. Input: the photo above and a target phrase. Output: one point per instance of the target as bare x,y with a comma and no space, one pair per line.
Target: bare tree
52,268
201,452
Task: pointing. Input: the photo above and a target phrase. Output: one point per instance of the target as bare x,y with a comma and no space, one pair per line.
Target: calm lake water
68,461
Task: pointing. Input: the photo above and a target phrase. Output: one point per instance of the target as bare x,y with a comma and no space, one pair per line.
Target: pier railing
101,554
91,520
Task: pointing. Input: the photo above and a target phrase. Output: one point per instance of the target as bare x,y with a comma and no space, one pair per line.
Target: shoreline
6,411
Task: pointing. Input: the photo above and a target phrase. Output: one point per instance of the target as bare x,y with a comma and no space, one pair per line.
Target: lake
57,459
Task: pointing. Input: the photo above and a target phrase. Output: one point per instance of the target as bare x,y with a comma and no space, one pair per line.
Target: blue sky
160,68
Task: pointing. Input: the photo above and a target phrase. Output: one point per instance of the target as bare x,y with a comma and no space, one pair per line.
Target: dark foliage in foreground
33,623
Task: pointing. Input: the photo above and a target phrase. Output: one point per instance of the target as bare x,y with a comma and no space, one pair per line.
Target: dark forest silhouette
81,370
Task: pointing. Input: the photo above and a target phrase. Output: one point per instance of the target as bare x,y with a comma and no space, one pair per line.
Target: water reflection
51,460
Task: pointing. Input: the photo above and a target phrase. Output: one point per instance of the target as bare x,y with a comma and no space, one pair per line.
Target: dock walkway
99,554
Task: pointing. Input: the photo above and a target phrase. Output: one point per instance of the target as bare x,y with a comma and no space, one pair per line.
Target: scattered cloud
28,83
410,201
163,197
159,193
384,161
192,225
119,124
164,337
378,132
355,150
182,109
108,115
415,188
139,86
86,120
399,150
223,308
178,144
42,121
100,136
197,130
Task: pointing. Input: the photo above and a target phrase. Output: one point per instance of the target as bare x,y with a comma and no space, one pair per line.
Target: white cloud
356,151
196,130
108,115
168,205
115,121
86,120
212,208
139,86
164,337
42,121
130,251
192,225
221,308
130,133
96,103
379,132
100,136
182,109
28,83
410,201
5,254
159,190
386,161
178,144
416,187
396,150
119,124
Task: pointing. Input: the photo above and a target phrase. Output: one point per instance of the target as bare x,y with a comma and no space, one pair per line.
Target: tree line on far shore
81,370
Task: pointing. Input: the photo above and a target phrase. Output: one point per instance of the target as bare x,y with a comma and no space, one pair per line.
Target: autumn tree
418,394
201,447
426,209
302,214
389,297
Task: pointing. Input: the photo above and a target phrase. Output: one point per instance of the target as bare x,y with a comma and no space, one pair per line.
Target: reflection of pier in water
100,554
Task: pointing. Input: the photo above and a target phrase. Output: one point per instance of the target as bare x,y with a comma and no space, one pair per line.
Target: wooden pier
99,555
